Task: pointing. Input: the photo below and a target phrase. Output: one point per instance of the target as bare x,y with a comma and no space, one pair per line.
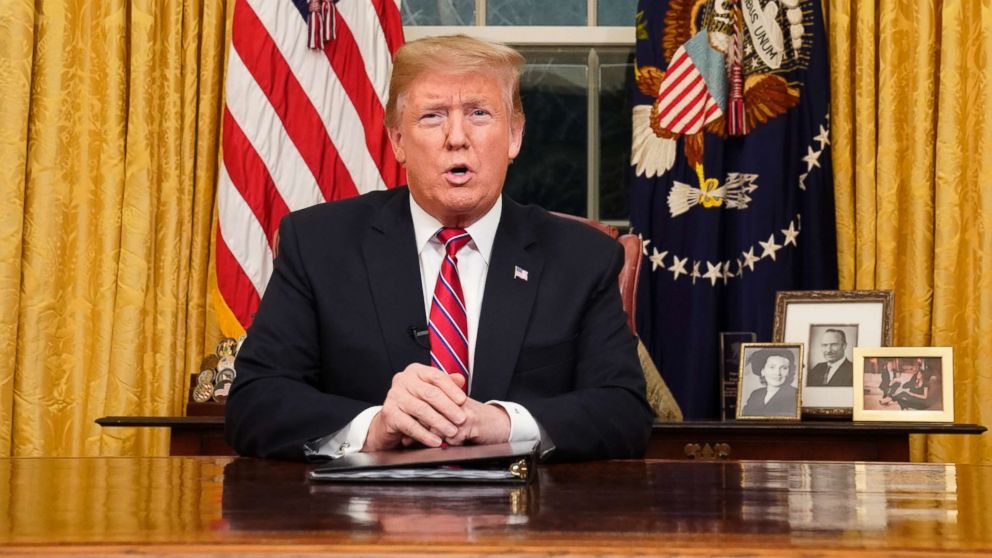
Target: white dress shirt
473,267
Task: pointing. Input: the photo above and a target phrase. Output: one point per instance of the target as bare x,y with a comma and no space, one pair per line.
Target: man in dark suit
836,370
443,312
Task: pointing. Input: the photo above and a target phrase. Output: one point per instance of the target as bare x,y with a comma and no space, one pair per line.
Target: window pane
616,76
551,168
438,12
535,12
616,12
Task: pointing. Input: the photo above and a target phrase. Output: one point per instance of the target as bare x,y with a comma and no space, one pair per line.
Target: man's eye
480,112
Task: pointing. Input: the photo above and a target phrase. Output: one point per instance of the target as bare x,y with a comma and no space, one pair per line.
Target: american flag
300,126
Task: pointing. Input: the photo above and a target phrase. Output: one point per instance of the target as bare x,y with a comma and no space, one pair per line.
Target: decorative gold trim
520,469
784,298
705,452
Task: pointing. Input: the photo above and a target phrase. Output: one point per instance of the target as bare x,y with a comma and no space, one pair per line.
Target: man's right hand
422,401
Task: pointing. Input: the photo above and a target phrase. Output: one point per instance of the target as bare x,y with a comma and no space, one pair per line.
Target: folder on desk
512,462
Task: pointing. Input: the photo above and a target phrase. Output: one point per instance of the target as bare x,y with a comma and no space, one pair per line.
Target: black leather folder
513,462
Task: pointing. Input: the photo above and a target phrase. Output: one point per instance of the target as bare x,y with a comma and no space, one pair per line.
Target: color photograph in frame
904,384
830,324
770,375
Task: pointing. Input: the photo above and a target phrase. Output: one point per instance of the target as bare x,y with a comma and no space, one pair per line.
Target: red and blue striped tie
448,323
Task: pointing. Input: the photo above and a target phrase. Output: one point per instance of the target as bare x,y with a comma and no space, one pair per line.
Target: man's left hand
484,424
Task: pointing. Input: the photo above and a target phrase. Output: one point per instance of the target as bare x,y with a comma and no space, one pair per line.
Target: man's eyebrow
476,100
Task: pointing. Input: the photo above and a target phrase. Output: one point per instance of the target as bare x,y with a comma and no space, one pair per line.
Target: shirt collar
483,231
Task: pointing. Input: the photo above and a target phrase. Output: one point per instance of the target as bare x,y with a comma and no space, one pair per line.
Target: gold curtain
912,150
109,129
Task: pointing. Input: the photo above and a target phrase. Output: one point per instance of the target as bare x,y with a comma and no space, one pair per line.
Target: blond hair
455,54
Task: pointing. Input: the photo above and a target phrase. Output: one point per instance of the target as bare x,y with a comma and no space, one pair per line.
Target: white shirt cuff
523,427
351,438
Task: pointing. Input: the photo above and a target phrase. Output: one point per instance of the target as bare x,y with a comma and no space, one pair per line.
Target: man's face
833,346
456,139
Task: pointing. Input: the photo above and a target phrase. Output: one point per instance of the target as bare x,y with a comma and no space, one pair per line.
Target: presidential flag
307,84
732,192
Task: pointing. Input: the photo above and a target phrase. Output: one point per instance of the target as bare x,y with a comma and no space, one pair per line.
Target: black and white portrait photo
831,347
769,381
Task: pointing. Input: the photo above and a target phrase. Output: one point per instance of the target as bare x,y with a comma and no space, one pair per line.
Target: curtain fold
912,136
16,55
107,312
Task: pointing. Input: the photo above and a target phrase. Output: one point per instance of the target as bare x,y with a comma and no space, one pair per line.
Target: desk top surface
110,506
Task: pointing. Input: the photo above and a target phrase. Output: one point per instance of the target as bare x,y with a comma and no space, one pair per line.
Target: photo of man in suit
442,312
836,370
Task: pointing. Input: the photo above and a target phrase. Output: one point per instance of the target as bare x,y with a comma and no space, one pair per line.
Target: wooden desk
218,506
780,440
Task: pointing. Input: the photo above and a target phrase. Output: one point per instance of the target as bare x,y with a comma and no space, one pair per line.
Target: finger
440,401
450,384
412,429
424,413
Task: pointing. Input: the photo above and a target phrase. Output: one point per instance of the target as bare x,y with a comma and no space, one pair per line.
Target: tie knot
453,239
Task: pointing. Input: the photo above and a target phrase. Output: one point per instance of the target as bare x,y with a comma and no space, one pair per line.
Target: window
575,90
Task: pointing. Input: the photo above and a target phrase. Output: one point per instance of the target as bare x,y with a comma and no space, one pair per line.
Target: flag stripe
243,234
672,112
371,45
261,125
325,92
363,95
251,179
235,288
300,127
392,23
301,121
677,70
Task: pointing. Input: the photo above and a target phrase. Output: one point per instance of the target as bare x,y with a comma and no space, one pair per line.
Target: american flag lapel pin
519,273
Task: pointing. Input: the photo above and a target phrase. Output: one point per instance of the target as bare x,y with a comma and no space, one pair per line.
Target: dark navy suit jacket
335,323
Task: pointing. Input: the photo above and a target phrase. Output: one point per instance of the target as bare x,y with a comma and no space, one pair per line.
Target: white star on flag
770,247
824,138
749,258
790,234
678,267
812,158
713,272
657,259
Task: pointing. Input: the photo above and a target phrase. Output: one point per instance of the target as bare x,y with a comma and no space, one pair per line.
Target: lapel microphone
421,336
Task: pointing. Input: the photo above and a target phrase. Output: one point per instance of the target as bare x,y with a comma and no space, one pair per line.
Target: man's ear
516,138
395,140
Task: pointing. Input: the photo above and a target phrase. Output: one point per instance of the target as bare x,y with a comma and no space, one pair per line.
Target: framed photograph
730,360
769,379
907,384
831,324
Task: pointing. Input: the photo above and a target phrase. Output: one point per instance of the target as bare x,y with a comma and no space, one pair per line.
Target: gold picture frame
754,402
904,384
831,323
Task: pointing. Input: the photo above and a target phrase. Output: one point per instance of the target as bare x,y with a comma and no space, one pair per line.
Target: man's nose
456,137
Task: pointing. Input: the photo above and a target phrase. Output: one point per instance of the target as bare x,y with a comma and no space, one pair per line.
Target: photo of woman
770,381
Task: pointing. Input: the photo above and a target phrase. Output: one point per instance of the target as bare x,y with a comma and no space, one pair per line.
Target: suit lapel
393,267
506,304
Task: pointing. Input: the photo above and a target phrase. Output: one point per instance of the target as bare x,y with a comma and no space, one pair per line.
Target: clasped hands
428,406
